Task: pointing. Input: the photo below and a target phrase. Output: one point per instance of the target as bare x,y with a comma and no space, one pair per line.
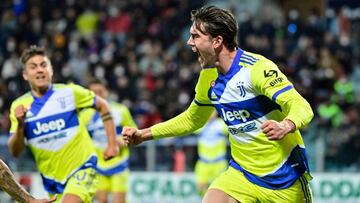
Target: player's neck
225,60
40,92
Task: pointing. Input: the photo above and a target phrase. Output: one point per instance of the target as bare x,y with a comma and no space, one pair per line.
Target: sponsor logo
50,126
242,115
243,129
56,137
270,73
276,81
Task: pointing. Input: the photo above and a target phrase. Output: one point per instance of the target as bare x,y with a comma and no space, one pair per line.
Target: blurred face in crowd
204,45
38,72
99,90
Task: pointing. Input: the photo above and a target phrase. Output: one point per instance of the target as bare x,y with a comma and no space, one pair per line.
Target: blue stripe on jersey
285,176
200,104
281,91
118,129
91,132
249,58
94,104
247,62
244,111
51,124
54,187
96,116
39,102
117,169
222,80
217,159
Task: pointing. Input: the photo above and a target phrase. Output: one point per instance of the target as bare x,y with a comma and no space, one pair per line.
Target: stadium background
139,48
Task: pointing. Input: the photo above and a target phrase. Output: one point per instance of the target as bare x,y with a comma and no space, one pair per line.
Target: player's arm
187,122
16,142
85,99
271,82
102,106
9,185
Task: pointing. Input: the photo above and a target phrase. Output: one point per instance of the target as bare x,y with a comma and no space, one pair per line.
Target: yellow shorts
82,184
115,183
207,172
235,184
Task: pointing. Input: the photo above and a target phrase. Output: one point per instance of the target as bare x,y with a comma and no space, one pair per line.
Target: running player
212,152
47,118
113,173
261,108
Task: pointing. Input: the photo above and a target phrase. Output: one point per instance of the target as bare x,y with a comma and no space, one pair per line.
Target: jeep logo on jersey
50,126
241,87
236,114
270,73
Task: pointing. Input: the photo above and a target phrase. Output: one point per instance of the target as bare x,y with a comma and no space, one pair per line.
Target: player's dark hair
33,50
217,22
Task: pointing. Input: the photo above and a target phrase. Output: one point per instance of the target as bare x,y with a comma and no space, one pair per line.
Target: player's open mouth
40,77
199,55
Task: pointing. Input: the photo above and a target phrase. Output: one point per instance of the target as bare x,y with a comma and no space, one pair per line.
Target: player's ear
217,41
24,74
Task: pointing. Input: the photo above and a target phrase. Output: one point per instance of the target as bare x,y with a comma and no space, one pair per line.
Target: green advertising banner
336,187
168,187
163,188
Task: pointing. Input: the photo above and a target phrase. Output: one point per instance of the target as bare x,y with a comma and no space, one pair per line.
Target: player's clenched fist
111,152
132,136
20,113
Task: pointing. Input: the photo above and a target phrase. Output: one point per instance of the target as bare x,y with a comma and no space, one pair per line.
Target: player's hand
20,113
120,143
110,152
277,130
53,199
132,136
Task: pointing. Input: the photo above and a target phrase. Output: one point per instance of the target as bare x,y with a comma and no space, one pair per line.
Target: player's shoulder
207,75
25,98
60,86
117,105
254,61
259,65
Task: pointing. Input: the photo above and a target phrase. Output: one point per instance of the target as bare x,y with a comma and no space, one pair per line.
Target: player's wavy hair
217,22
33,50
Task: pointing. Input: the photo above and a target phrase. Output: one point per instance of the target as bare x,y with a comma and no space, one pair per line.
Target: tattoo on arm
9,185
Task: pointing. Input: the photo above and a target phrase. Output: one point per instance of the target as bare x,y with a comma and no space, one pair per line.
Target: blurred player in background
14,189
212,145
47,118
261,108
113,173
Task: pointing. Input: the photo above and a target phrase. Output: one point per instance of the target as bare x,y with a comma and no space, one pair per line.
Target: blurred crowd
139,48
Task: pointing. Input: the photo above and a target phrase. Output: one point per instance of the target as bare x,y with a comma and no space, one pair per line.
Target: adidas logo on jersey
50,126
